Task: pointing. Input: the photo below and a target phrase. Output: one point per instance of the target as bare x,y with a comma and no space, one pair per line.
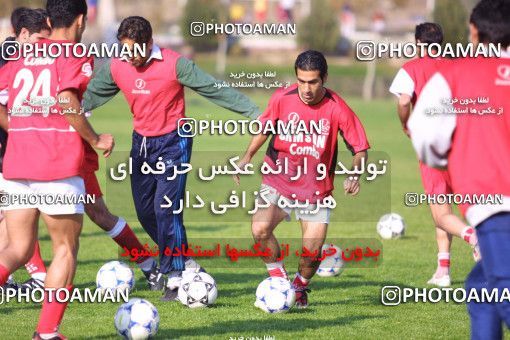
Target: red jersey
42,145
413,76
156,101
473,143
334,116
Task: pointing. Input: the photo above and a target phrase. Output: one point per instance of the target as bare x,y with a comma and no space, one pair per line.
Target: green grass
341,307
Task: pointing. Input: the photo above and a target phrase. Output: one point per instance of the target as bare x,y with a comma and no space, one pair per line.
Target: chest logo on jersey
504,75
306,139
140,87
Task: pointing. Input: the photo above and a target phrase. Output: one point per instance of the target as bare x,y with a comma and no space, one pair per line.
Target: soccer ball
197,290
115,276
391,226
331,265
275,295
137,319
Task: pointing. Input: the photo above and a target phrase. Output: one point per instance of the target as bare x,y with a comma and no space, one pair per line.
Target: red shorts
435,181
91,184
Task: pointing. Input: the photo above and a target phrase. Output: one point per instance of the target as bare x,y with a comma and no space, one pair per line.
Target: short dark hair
312,61
135,28
62,13
429,33
33,20
16,14
492,19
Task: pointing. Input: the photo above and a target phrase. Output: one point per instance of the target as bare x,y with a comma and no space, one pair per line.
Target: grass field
341,307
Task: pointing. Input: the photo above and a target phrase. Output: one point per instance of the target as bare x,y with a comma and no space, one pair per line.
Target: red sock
36,263
277,269
127,239
52,313
299,281
4,275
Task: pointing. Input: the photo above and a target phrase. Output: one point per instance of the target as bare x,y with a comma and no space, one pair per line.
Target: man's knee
66,251
261,230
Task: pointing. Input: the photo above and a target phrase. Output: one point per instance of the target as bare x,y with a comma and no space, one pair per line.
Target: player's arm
4,118
351,184
255,144
4,115
404,110
431,134
356,141
101,88
190,75
403,87
69,102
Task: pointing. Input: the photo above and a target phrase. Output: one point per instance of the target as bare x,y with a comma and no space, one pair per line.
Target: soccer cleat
155,279
301,297
59,336
443,281
172,288
31,284
9,285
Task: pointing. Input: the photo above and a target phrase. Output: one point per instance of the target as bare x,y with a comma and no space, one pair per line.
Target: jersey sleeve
430,125
191,76
402,84
352,131
101,88
75,73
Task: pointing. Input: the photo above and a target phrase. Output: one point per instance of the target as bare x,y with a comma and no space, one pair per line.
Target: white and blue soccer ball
115,276
331,265
275,295
197,290
391,226
137,319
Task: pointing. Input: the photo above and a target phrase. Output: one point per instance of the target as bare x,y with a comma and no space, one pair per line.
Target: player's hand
105,142
351,185
241,164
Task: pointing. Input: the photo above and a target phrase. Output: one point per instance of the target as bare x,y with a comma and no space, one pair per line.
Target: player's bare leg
441,277
3,243
21,231
263,224
314,234
118,229
64,231
447,224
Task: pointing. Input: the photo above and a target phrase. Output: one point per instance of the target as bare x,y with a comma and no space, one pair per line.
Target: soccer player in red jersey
474,145
306,101
29,26
36,168
407,86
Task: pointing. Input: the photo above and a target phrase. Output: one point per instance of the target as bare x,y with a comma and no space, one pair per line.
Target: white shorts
58,197
309,214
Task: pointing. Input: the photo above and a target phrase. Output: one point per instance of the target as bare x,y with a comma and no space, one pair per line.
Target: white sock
48,335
